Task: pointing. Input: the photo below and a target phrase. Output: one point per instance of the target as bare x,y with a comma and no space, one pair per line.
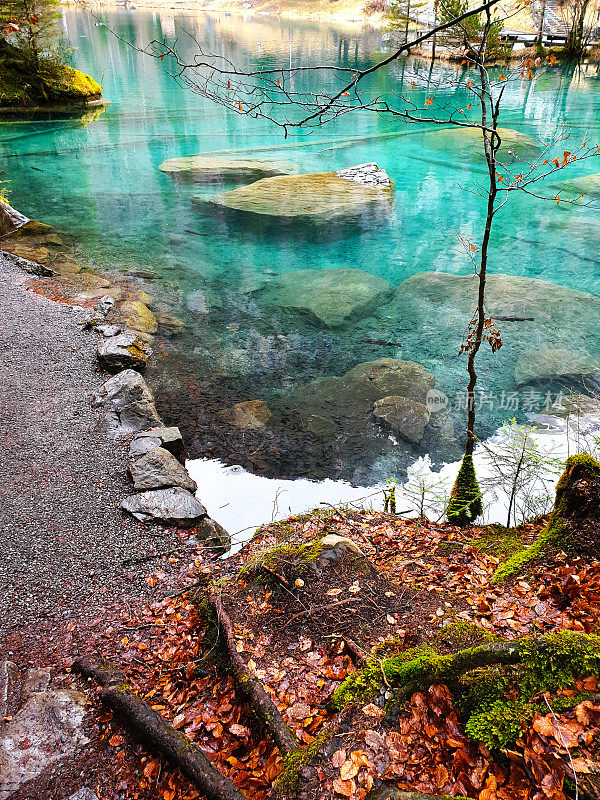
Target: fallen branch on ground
252,688
149,726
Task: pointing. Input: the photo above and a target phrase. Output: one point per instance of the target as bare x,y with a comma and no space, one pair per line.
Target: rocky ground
64,541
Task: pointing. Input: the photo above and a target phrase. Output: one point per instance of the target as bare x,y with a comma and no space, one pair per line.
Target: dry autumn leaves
303,636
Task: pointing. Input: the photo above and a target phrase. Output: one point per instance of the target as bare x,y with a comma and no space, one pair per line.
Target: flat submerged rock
316,198
328,297
203,168
548,331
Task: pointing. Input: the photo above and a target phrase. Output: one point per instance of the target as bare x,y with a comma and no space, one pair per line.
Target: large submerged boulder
314,199
328,297
537,320
406,418
207,168
346,404
469,141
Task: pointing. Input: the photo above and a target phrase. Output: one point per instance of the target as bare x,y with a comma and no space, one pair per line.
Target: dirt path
62,536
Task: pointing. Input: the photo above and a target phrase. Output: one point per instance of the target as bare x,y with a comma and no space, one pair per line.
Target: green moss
289,780
282,555
465,500
494,701
555,534
461,634
500,724
29,83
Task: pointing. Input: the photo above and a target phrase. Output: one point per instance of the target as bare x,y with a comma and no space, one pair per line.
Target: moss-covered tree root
148,726
250,686
575,519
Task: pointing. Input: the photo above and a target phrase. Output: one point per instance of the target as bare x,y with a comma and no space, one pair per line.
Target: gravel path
62,536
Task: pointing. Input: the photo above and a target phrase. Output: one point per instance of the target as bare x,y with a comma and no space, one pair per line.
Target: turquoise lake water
99,180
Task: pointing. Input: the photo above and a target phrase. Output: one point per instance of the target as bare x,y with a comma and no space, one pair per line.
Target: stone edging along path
163,490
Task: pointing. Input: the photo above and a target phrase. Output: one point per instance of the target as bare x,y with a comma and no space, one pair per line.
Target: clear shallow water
101,182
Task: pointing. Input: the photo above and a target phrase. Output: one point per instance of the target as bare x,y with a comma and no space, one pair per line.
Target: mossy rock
574,524
27,84
137,316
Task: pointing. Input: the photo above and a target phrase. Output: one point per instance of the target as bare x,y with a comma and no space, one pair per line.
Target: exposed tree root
252,688
149,726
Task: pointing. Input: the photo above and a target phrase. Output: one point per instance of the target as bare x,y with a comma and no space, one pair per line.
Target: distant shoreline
348,12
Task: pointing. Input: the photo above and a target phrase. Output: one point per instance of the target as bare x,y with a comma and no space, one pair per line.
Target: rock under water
327,297
315,199
207,168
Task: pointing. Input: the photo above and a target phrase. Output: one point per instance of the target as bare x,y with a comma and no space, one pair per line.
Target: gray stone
106,329
31,267
128,404
553,362
83,794
405,417
159,469
10,688
249,415
123,351
35,681
173,506
45,731
329,297
169,438
366,175
204,168
213,535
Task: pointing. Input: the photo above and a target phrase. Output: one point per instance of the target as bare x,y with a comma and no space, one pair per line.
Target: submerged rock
345,404
170,325
405,417
317,198
203,168
328,297
250,415
136,315
128,404
168,438
552,362
174,506
534,316
469,140
159,469
123,351
586,185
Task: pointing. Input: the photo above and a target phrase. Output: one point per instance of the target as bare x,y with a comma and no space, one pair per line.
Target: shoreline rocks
128,404
123,351
172,506
159,469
